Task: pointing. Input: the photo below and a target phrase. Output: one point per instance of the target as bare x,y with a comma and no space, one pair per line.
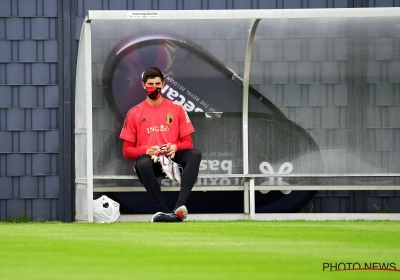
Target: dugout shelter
284,102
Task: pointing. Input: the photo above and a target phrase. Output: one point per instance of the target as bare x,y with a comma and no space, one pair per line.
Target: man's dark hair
152,73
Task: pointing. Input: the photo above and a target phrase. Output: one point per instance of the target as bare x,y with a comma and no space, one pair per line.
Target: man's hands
156,150
171,151
151,151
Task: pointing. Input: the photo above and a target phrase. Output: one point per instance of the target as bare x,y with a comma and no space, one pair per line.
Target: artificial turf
198,250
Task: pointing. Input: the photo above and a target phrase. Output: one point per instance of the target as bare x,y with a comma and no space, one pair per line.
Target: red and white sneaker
181,212
166,166
157,154
177,169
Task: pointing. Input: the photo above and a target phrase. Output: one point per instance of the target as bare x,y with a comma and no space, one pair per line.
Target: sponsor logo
226,167
149,14
174,95
266,168
157,128
144,120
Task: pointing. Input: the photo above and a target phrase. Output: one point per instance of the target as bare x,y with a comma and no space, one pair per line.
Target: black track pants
147,172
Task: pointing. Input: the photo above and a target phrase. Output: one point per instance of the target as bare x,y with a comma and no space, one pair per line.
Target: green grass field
197,250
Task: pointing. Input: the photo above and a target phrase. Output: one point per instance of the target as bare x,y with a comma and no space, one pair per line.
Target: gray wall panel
5,10
259,79
14,28
291,4
291,49
396,139
49,51
394,116
3,119
219,4
318,4
47,8
330,117
168,5
94,5
6,142
15,165
268,50
382,50
304,72
3,73
192,5
15,119
340,95
220,47
384,140
50,96
44,73
316,49
280,73
51,141
51,186
28,142
2,30
3,164
78,28
41,209
239,5
119,5
28,28
382,94
383,3
28,187
42,119
27,51
41,164
15,207
5,188
26,96
332,72
43,28
374,70
291,95
394,72
339,49
317,95
333,204
15,73
6,97
54,210
5,51
27,8
383,203
15,184
268,5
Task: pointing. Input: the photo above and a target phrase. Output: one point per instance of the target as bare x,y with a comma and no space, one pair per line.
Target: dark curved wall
38,44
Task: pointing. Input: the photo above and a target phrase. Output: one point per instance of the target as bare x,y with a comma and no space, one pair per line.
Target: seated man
158,129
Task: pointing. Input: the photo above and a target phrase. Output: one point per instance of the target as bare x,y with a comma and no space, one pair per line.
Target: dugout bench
249,187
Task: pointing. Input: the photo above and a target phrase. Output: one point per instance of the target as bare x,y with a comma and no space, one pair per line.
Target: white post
246,84
89,124
246,198
252,200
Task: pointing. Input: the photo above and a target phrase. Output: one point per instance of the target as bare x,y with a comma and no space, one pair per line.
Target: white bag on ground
105,210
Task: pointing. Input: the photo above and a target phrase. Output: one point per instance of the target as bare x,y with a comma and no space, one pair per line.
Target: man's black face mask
153,92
